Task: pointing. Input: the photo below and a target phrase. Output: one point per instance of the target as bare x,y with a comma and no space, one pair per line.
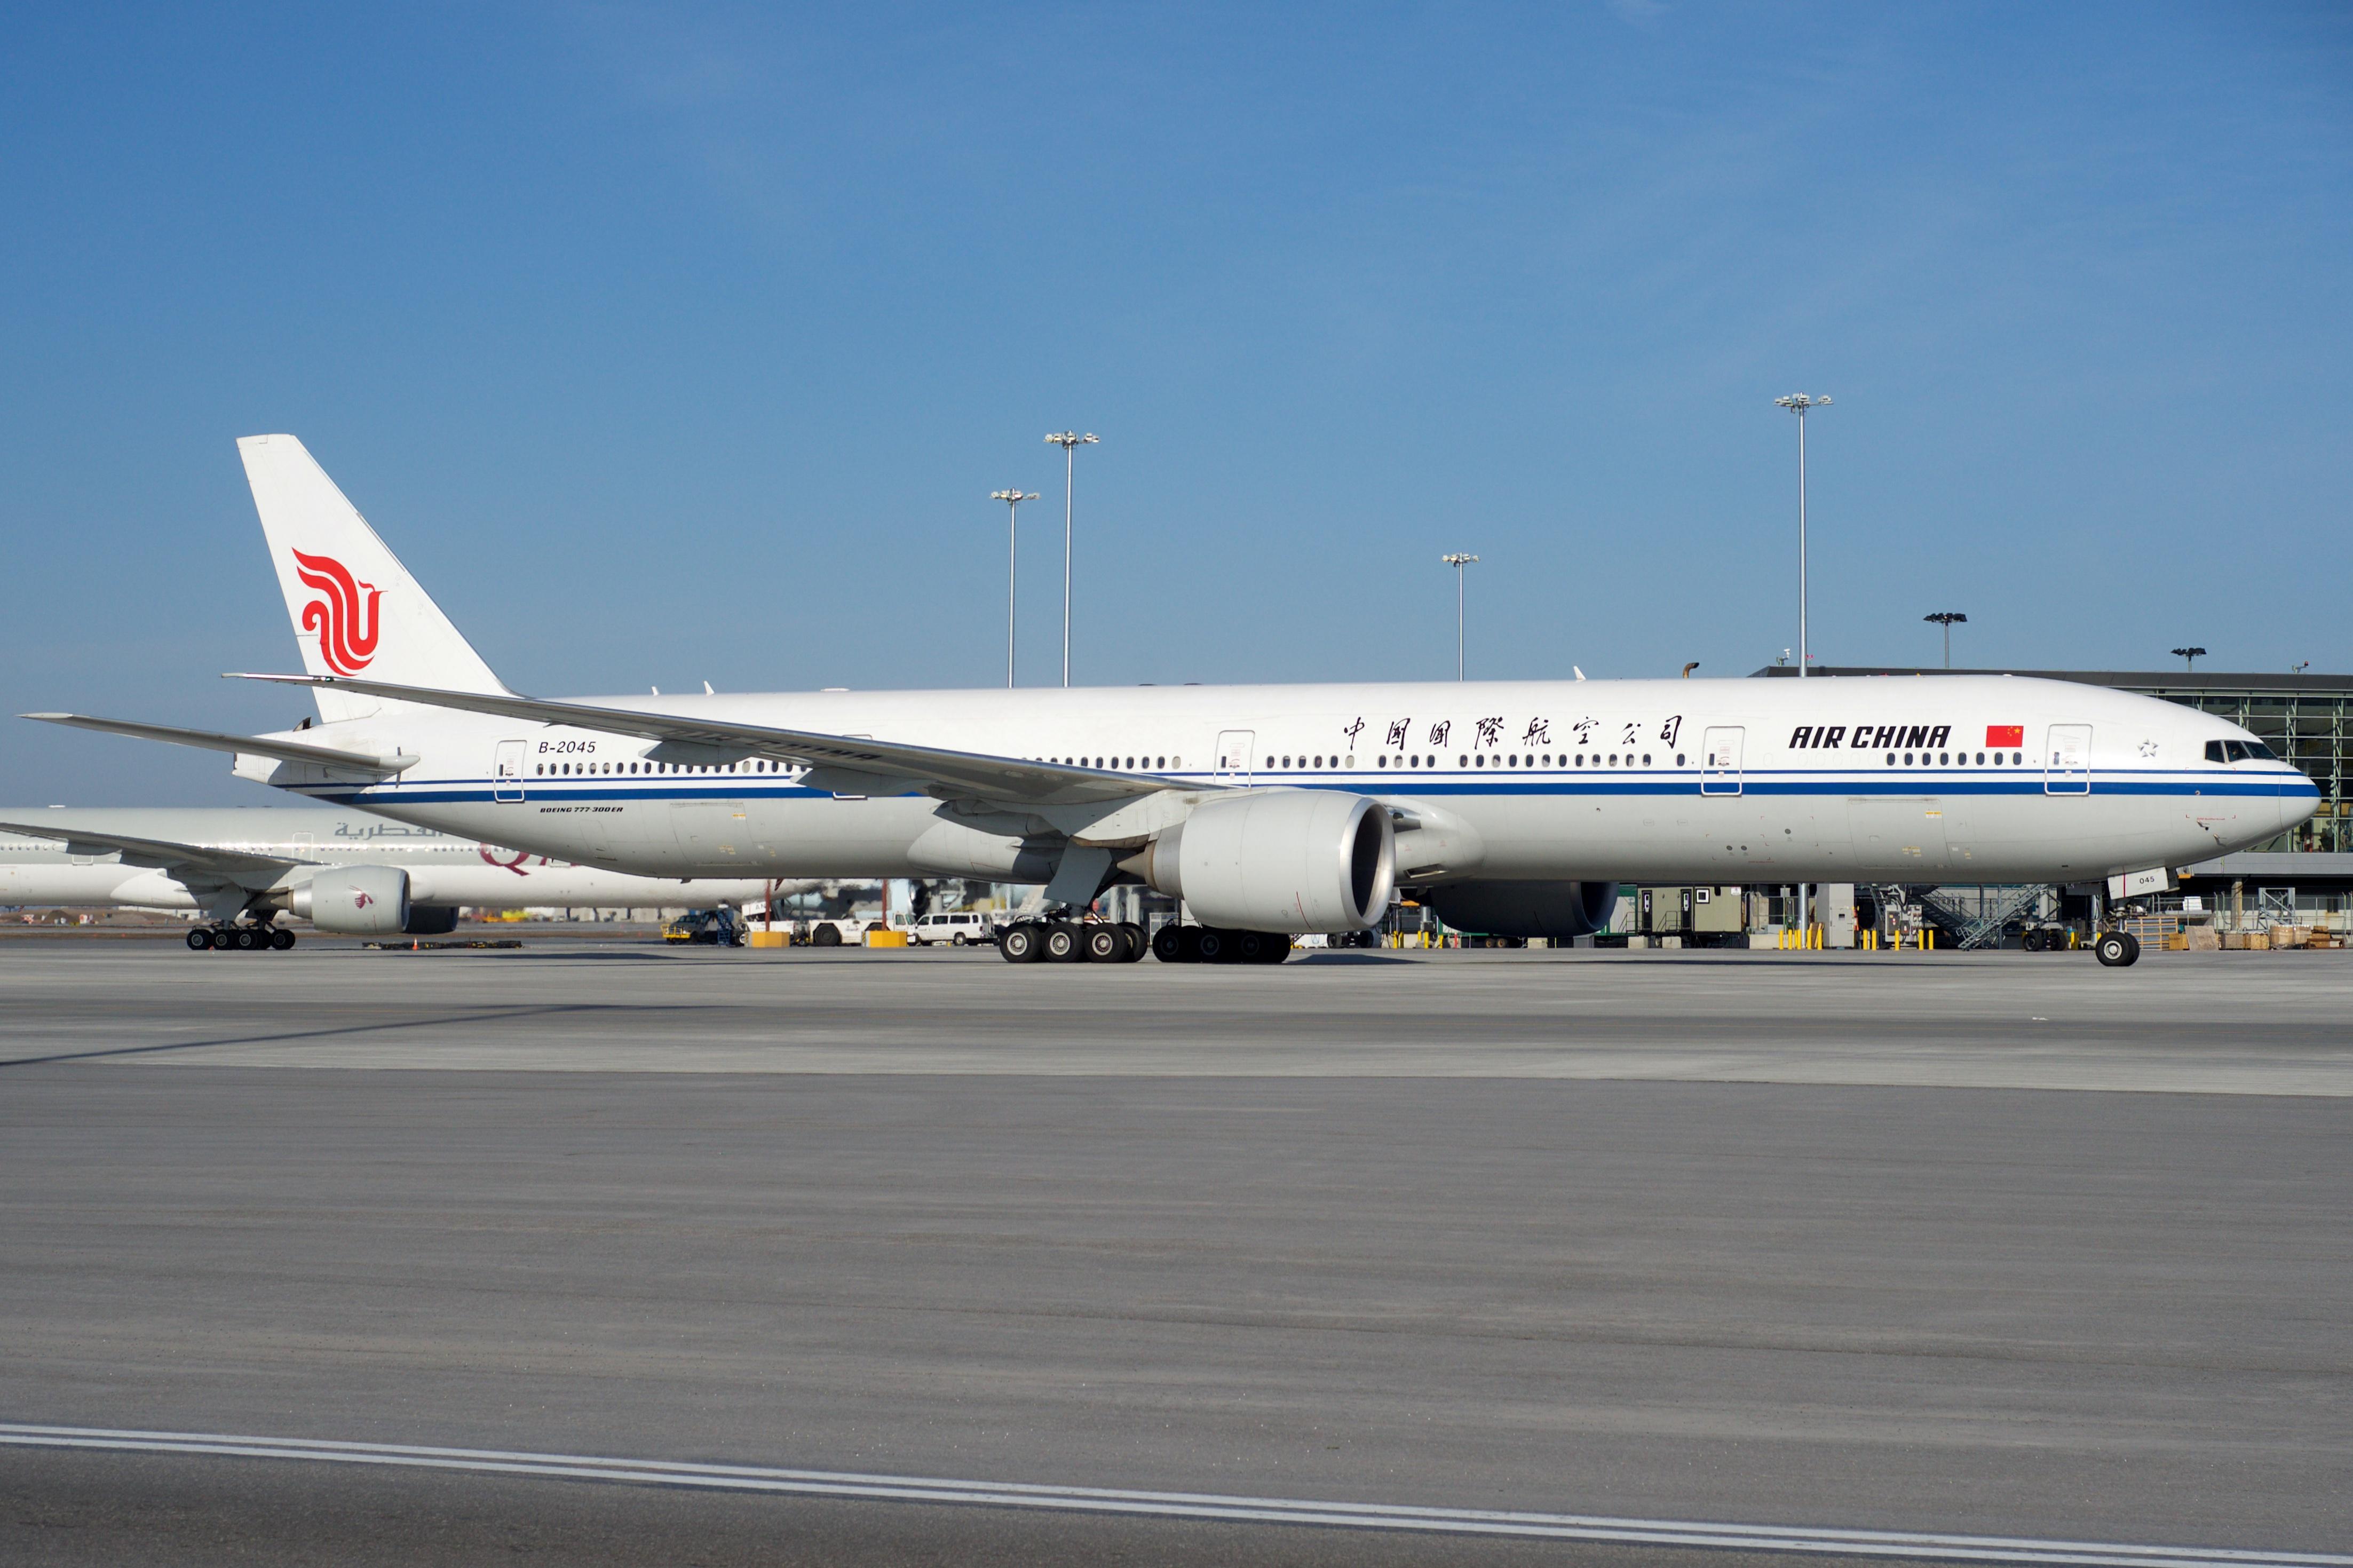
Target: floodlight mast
1070,441
1012,499
1798,403
2189,655
1947,619
1457,561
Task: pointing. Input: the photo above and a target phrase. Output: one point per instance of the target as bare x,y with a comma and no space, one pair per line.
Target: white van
957,928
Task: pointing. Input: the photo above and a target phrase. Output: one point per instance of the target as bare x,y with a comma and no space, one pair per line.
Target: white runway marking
1176,1505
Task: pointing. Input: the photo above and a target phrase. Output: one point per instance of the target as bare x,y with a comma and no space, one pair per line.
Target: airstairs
1974,916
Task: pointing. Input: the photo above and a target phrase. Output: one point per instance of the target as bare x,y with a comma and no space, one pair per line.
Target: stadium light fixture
1457,561
1012,499
1070,441
1798,403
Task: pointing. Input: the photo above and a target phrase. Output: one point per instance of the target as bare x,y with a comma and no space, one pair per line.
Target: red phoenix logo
346,623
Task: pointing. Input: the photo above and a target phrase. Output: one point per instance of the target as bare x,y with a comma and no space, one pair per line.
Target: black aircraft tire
281,939
1214,946
1105,944
1169,945
200,940
2118,950
1132,935
1018,943
1276,949
1065,943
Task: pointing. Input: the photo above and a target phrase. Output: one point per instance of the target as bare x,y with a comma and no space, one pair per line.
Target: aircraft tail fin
355,608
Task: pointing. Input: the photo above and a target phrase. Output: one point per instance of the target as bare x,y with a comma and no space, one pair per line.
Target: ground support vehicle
718,927
956,928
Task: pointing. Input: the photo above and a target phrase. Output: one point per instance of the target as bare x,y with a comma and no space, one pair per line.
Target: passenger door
506,771
2067,760
1234,748
1719,769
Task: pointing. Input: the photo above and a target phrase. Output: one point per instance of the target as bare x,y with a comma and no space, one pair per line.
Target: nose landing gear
2117,949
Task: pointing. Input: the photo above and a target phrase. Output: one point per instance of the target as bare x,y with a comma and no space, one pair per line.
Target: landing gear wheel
1019,943
281,939
200,940
2117,949
1214,946
1066,943
1132,935
1169,945
1105,944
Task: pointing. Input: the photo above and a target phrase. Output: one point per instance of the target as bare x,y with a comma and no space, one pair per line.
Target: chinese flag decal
2004,734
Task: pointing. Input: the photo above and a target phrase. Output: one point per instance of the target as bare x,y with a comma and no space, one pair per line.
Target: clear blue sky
687,343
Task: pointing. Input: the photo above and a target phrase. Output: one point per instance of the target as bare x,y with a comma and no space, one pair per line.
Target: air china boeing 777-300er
1514,807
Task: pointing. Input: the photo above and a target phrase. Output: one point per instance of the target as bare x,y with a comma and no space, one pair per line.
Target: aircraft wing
949,775
215,741
160,853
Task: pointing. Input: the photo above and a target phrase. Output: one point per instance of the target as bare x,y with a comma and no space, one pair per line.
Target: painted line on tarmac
1172,1505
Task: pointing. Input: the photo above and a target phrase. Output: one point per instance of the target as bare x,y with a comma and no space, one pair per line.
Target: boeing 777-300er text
1512,807
346,872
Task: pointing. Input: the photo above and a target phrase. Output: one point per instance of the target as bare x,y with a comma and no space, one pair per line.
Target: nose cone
2299,797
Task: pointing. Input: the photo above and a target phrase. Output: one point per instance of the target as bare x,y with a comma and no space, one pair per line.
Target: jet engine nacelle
356,900
1556,909
1289,860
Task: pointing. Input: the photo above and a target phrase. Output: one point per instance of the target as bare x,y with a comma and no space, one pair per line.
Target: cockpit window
2261,752
2214,751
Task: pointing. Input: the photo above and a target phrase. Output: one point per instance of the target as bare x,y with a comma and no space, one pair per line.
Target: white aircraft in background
1513,808
346,871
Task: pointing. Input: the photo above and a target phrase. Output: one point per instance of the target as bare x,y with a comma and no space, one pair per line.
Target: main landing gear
1214,945
1071,942
239,939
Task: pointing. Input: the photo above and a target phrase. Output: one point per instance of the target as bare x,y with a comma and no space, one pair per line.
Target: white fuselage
1949,779
443,868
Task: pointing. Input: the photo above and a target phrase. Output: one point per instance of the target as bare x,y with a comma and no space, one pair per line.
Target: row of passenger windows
1956,759
758,765
2216,752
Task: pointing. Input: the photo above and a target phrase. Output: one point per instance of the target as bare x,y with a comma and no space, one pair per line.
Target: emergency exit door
1719,761
506,773
2067,760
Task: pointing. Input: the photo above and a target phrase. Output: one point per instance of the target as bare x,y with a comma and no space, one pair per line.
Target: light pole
1457,561
1070,441
2189,655
1798,403
1012,499
1947,619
